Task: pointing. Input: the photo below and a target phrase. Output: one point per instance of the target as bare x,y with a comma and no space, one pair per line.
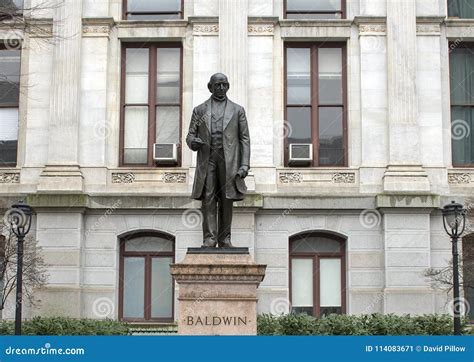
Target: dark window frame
316,256
451,16
454,45
152,104
125,12
13,164
314,46
148,258
343,12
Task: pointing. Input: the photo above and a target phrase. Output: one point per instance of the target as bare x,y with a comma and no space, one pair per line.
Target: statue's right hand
196,143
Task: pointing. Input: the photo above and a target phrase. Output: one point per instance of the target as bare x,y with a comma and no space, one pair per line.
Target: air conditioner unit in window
300,154
165,153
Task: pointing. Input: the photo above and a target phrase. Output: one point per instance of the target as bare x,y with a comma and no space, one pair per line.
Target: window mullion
147,312
316,287
315,104
152,104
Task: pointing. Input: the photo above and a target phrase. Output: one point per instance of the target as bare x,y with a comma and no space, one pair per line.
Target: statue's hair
213,77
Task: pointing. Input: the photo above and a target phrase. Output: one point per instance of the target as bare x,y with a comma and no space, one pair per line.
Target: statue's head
218,85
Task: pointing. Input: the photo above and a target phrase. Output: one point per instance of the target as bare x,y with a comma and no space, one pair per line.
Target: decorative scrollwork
174,177
123,178
9,178
343,178
459,178
291,177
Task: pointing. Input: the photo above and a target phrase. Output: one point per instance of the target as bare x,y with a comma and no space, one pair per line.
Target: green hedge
356,325
60,326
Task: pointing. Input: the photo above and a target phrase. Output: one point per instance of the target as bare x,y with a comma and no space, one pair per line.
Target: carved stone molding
260,29
428,29
218,278
372,29
460,178
123,178
95,30
205,29
343,178
174,177
291,177
9,177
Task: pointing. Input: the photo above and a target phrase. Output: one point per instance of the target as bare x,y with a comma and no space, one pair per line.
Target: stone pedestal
217,292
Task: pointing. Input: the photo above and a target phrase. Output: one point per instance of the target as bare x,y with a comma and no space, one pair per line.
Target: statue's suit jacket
236,144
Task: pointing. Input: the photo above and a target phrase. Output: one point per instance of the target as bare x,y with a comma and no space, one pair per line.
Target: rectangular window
310,9
461,9
462,104
316,104
153,9
151,101
9,100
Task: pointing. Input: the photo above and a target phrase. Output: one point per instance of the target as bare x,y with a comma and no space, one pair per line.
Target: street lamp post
454,221
19,217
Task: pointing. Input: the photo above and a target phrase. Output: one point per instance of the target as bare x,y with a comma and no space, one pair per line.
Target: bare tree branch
34,268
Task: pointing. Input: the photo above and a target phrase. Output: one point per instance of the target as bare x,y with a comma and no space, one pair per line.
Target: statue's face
219,85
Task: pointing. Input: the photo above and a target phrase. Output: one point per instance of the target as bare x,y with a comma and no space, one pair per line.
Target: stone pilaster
404,173
233,29
62,172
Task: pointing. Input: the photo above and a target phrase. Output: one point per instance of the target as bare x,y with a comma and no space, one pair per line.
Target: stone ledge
408,201
127,201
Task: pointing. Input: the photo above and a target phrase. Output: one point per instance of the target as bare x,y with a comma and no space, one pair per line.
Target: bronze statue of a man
220,135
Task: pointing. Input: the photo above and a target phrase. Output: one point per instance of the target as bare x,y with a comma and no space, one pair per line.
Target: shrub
61,326
357,325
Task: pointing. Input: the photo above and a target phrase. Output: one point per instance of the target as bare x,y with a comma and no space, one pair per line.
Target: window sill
152,23
337,29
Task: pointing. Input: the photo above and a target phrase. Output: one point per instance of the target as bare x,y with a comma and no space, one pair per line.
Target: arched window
317,274
146,285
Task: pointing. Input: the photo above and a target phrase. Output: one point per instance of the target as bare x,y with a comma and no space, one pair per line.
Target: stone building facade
366,83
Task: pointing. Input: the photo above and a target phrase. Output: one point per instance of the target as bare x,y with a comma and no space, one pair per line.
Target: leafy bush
357,325
60,326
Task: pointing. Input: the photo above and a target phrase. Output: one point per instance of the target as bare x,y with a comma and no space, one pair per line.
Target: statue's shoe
209,243
225,244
